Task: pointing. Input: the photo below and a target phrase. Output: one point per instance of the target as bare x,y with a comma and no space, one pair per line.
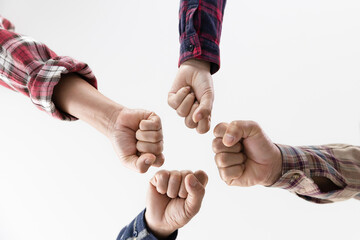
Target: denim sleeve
137,230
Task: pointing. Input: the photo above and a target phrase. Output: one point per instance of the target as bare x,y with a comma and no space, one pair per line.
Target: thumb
205,107
196,192
140,164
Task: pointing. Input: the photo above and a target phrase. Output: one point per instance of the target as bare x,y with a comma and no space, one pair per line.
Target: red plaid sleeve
31,68
337,162
200,30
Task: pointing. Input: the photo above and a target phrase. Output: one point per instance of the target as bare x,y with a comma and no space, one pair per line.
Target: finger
220,129
203,125
182,192
202,177
140,164
230,173
174,184
175,99
160,181
159,161
152,123
205,107
196,192
238,130
147,147
185,107
149,136
218,146
188,120
224,160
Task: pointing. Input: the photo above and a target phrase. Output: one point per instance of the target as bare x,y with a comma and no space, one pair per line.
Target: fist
192,94
244,155
173,199
137,138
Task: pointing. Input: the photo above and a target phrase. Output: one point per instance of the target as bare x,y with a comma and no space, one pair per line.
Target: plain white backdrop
292,66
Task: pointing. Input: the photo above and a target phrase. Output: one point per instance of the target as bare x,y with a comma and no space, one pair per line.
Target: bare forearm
78,98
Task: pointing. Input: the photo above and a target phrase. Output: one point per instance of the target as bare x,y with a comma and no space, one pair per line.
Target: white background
293,66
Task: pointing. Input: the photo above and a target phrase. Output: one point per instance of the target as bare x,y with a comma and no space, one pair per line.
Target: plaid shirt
339,163
200,30
29,67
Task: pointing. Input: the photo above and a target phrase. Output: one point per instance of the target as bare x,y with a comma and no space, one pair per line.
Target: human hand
245,156
173,199
192,94
137,138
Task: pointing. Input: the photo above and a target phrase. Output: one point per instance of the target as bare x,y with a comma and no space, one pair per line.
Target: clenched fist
192,94
245,156
173,199
137,138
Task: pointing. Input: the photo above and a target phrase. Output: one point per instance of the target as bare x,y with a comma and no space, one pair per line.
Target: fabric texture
200,27
137,230
31,68
339,163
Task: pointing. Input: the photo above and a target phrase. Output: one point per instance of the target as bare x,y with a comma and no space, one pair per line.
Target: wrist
78,98
276,169
157,229
200,64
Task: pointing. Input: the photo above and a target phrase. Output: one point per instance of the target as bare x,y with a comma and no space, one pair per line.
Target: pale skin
245,156
135,134
173,199
192,94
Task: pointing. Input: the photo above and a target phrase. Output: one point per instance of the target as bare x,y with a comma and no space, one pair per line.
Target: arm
31,68
66,89
200,31
245,156
173,199
192,93
321,174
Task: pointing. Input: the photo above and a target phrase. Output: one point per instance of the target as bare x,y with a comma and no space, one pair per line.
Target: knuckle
158,136
220,159
236,124
216,145
162,175
159,147
189,123
157,124
181,112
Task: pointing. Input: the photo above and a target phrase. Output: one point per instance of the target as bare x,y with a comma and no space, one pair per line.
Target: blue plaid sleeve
137,230
200,30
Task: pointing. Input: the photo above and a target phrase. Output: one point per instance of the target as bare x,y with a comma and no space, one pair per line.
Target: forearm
321,174
35,73
75,96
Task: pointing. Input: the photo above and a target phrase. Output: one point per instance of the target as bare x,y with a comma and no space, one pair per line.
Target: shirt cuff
202,49
298,168
138,230
47,75
6,24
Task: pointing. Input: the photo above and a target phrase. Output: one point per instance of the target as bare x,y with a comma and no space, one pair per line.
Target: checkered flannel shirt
31,68
200,30
339,163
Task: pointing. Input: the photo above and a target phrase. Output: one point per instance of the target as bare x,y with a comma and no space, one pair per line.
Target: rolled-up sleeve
339,163
31,68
